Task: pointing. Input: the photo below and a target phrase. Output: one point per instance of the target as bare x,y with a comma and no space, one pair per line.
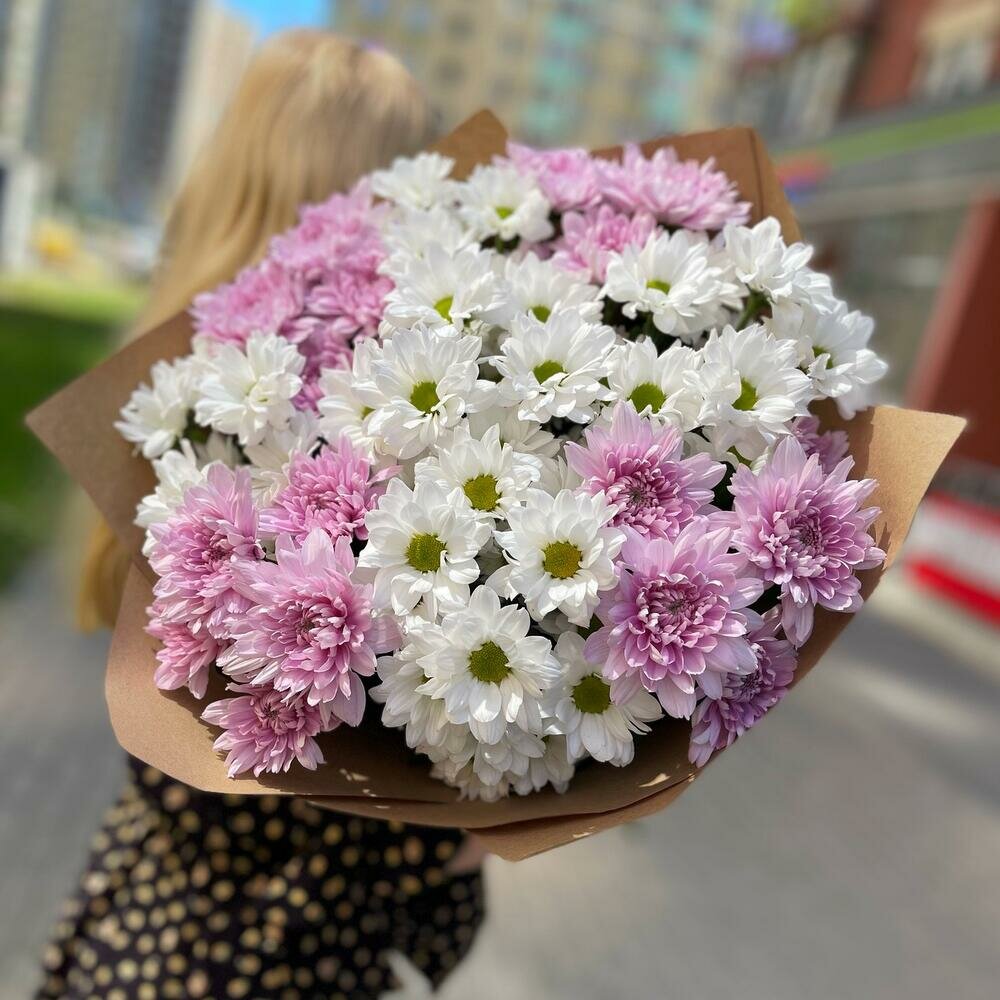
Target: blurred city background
849,849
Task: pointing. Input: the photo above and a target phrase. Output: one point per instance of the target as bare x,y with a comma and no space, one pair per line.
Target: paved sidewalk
847,849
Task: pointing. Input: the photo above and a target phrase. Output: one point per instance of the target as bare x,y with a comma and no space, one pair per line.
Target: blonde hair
312,113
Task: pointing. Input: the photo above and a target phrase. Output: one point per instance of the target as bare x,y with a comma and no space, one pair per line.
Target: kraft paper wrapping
369,770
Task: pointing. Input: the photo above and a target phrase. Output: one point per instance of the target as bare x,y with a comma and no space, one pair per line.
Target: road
849,848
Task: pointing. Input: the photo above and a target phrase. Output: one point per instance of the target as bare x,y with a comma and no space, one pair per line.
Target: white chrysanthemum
717,443
414,181
541,288
342,412
175,471
423,717
655,383
420,384
411,231
554,369
269,458
526,436
244,392
463,777
760,259
561,551
491,476
673,279
489,670
553,768
583,710
443,290
499,201
557,475
833,347
422,543
156,415
751,385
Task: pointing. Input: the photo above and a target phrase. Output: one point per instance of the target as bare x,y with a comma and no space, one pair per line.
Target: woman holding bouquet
188,894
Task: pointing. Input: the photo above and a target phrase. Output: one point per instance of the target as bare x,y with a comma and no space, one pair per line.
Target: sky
270,16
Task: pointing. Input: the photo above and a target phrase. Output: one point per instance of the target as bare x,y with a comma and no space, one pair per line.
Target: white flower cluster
490,356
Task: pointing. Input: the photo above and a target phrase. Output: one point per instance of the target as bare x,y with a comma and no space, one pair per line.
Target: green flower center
424,553
546,370
504,211
649,395
482,492
541,313
365,411
443,306
747,398
489,663
819,351
592,695
561,559
659,286
425,396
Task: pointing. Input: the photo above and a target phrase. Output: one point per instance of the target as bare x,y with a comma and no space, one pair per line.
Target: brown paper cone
369,770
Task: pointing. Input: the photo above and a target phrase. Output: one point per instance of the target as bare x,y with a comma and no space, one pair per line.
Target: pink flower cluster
318,286
682,622
295,635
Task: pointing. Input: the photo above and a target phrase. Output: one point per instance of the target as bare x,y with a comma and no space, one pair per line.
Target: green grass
40,351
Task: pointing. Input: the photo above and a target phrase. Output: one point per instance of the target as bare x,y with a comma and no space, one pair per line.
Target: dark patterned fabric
195,895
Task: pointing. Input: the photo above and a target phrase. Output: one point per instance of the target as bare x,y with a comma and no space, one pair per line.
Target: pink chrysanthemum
263,297
678,193
328,232
678,618
830,446
351,299
263,731
332,490
805,532
638,466
310,629
566,176
718,722
186,653
589,238
198,551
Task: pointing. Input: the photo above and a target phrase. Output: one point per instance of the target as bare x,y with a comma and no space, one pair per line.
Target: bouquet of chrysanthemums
531,459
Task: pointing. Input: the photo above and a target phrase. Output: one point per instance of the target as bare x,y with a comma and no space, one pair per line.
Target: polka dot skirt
195,895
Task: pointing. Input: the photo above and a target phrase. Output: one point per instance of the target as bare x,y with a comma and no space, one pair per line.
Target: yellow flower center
482,492
443,306
659,286
648,394
561,559
546,370
541,313
424,553
592,695
489,663
425,396
747,398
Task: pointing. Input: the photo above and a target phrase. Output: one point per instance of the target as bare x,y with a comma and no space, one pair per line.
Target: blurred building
124,92
559,71
23,178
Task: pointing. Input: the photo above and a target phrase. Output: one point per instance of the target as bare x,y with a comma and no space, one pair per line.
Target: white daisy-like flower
655,384
411,231
499,201
557,475
541,288
497,764
419,384
442,290
422,544
464,778
342,412
553,768
414,181
584,711
750,385
245,392
269,458
526,436
760,259
717,443
561,551
404,706
175,471
491,476
488,669
833,347
672,279
554,369
156,415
